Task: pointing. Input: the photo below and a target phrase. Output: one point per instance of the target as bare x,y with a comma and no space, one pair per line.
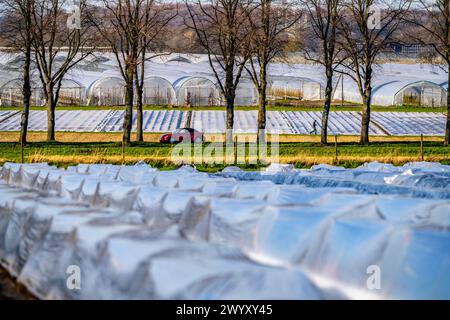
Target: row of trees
345,36
239,37
55,40
351,35
33,27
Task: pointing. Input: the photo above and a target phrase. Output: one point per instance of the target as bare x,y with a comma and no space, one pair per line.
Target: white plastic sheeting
283,122
158,91
422,93
246,93
107,91
288,87
11,92
197,91
309,122
139,233
344,123
97,120
391,83
398,123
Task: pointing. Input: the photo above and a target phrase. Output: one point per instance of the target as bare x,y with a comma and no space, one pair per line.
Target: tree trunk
230,120
50,105
447,126
139,112
230,95
365,118
127,122
326,107
262,113
262,102
26,96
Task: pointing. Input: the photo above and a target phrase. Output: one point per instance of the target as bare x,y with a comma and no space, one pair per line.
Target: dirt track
10,289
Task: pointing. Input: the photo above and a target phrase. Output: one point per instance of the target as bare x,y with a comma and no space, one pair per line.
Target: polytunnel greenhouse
294,88
246,93
423,93
158,91
401,91
11,93
197,91
107,91
71,93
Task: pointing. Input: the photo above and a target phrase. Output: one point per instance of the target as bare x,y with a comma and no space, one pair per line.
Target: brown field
75,136
10,289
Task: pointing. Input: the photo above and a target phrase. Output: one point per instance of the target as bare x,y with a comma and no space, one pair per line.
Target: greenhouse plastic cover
283,233
93,72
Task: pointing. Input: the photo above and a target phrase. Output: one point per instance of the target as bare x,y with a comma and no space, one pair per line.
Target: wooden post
235,149
342,90
123,152
21,152
421,146
245,151
335,149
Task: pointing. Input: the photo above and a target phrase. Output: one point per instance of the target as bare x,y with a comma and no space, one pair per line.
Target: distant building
411,50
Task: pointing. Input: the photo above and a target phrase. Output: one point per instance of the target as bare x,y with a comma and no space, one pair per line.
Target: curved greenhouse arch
383,93
158,91
421,93
107,91
246,93
197,91
72,92
179,59
302,88
11,93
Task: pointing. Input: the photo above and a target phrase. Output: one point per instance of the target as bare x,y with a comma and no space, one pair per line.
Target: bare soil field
10,289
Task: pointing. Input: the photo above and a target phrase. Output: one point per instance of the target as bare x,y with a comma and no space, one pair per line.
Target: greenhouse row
182,80
188,90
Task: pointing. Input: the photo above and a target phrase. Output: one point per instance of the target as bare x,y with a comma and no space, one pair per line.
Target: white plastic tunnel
246,93
196,91
158,91
422,93
71,93
107,91
294,88
11,93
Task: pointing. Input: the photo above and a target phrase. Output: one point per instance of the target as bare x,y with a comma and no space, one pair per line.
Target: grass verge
301,154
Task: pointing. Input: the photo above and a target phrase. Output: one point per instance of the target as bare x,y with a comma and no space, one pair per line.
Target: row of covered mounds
416,179
214,121
138,232
125,246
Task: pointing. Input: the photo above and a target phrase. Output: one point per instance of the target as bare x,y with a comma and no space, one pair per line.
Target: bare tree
367,28
153,20
323,17
17,29
271,24
222,29
57,50
118,23
431,22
